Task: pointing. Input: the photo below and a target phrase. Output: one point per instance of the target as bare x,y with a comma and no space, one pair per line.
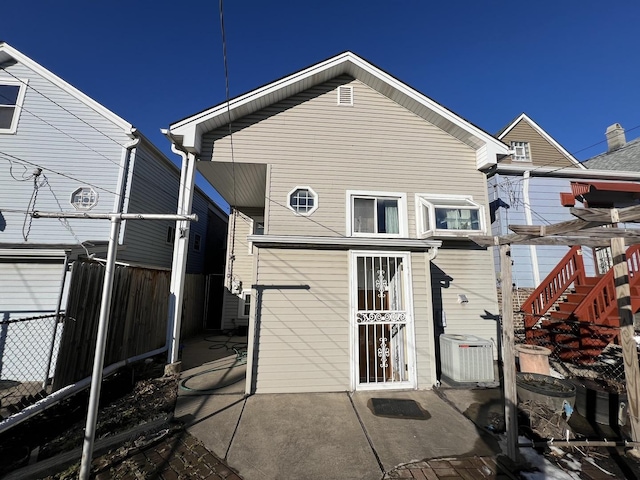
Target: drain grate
397,408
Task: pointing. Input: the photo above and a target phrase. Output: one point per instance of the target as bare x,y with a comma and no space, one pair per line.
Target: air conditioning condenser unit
466,358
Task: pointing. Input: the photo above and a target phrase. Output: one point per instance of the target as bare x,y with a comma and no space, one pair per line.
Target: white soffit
191,129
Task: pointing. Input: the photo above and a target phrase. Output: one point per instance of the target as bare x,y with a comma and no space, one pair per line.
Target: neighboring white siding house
62,151
354,198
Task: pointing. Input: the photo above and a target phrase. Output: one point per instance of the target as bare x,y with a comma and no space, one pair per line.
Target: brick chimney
615,137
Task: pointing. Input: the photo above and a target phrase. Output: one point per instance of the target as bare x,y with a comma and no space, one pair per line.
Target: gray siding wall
81,144
374,145
303,321
468,272
544,197
154,189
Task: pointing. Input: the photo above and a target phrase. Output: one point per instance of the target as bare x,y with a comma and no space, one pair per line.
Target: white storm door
382,321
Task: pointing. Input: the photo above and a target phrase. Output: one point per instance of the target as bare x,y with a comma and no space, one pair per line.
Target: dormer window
521,152
11,98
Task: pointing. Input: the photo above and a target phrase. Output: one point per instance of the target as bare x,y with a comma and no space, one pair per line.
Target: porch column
180,250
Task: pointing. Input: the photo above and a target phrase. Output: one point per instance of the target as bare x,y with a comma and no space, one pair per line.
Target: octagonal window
303,200
84,198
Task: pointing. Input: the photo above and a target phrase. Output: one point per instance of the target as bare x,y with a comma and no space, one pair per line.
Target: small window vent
345,95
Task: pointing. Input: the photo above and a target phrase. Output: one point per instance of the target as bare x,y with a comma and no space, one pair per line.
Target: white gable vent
345,95
466,358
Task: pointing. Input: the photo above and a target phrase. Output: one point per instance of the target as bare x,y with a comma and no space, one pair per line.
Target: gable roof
8,53
524,117
188,132
626,158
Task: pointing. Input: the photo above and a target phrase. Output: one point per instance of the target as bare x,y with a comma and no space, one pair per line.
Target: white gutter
566,172
535,269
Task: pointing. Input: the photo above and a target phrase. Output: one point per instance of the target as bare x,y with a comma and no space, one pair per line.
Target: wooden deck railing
599,305
570,270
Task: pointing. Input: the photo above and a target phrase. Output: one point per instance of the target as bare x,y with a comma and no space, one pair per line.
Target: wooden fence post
629,347
509,363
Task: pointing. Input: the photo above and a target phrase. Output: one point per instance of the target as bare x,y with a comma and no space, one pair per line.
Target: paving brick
446,472
462,462
439,464
428,473
417,474
401,473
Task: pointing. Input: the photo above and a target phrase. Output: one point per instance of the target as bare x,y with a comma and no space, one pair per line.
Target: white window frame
402,212
243,303
18,106
311,191
254,220
81,207
526,146
431,202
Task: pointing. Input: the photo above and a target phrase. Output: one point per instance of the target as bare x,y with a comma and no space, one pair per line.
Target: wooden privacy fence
138,320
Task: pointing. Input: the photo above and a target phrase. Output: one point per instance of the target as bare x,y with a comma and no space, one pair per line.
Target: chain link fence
28,352
580,350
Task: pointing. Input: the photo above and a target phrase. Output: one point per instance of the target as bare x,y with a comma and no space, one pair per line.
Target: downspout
433,253
180,251
535,269
119,206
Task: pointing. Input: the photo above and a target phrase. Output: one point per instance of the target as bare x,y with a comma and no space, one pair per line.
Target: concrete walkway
320,435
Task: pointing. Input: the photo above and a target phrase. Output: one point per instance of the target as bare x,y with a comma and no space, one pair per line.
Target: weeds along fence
43,354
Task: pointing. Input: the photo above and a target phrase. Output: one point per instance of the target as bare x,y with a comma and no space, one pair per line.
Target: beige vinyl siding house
368,191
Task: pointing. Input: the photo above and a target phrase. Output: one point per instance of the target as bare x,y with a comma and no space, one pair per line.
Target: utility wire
234,209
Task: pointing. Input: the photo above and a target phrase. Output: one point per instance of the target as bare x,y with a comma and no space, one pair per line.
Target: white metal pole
98,361
180,261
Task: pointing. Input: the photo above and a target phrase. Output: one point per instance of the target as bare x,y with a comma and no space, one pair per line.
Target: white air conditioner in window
466,358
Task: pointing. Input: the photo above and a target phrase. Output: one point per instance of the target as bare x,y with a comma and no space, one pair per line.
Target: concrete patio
315,435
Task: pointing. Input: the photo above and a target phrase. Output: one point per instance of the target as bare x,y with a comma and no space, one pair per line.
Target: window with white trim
448,215
302,200
376,213
257,228
244,307
11,98
84,198
521,152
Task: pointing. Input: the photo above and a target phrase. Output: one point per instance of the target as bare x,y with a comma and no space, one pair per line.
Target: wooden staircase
575,315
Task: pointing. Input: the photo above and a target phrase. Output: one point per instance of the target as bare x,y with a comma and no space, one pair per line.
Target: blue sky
570,65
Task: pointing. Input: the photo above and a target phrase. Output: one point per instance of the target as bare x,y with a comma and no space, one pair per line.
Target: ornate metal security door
382,320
